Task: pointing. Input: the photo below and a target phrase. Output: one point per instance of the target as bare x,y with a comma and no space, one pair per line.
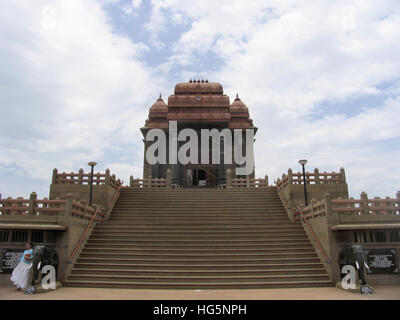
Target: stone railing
312,178
352,207
246,182
147,183
249,183
82,178
45,207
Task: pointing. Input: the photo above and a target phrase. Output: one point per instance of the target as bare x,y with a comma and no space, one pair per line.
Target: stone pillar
228,178
343,174
131,181
221,179
316,174
175,174
266,181
32,202
54,177
397,197
169,178
290,176
68,205
80,176
108,178
364,203
247,181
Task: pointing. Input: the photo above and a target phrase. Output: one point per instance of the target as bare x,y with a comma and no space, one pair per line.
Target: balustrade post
80,176
45,205
316,174
247,181
108,178
290,176
149,183
54,177
68,205
398,198
32,203
376,206
169,178
229,179
364,203
343,175
131,181
266,181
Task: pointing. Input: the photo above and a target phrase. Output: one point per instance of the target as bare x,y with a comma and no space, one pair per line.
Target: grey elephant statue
355,256
43,256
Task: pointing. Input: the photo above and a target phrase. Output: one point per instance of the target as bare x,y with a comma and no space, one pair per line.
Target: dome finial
237,96
160,96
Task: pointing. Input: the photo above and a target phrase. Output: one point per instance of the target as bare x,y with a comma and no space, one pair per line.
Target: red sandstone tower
197,105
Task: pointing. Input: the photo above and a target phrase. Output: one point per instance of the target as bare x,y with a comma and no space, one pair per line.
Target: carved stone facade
197,105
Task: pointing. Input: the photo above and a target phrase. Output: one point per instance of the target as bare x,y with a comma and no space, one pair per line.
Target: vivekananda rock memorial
196,222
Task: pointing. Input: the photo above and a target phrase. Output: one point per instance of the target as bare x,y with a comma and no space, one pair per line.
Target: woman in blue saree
20,276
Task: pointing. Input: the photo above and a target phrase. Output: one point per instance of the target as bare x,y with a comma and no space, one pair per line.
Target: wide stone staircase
198,239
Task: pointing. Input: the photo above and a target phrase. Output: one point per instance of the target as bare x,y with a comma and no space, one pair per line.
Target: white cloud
70,86
72,90
132,7
287,59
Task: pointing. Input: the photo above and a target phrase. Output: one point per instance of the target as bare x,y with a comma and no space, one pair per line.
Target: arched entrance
199,176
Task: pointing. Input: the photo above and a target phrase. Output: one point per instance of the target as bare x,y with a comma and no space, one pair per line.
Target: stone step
142,213
161,208
283,250
196,242
196,232
153,191
204,286
198,235
196,229
197,278
209,267
200,272
196,256
248,260
207,218
137,212
200,246
197,220
205,226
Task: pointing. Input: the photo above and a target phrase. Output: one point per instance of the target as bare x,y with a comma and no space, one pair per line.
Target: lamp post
303,162
91,164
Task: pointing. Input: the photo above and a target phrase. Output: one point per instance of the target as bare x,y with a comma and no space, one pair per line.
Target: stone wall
336,221
291,187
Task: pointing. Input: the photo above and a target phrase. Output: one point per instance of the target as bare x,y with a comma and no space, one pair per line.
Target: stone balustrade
315,177
45,207
351,207
82,178
147,183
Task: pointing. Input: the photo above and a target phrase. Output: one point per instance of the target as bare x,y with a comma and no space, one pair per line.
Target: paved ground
381,293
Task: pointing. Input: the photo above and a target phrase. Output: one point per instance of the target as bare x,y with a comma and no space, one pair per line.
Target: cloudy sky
321,80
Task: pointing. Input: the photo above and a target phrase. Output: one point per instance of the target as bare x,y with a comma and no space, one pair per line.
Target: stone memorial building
200,225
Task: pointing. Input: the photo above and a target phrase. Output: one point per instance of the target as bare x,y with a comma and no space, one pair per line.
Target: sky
321,80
